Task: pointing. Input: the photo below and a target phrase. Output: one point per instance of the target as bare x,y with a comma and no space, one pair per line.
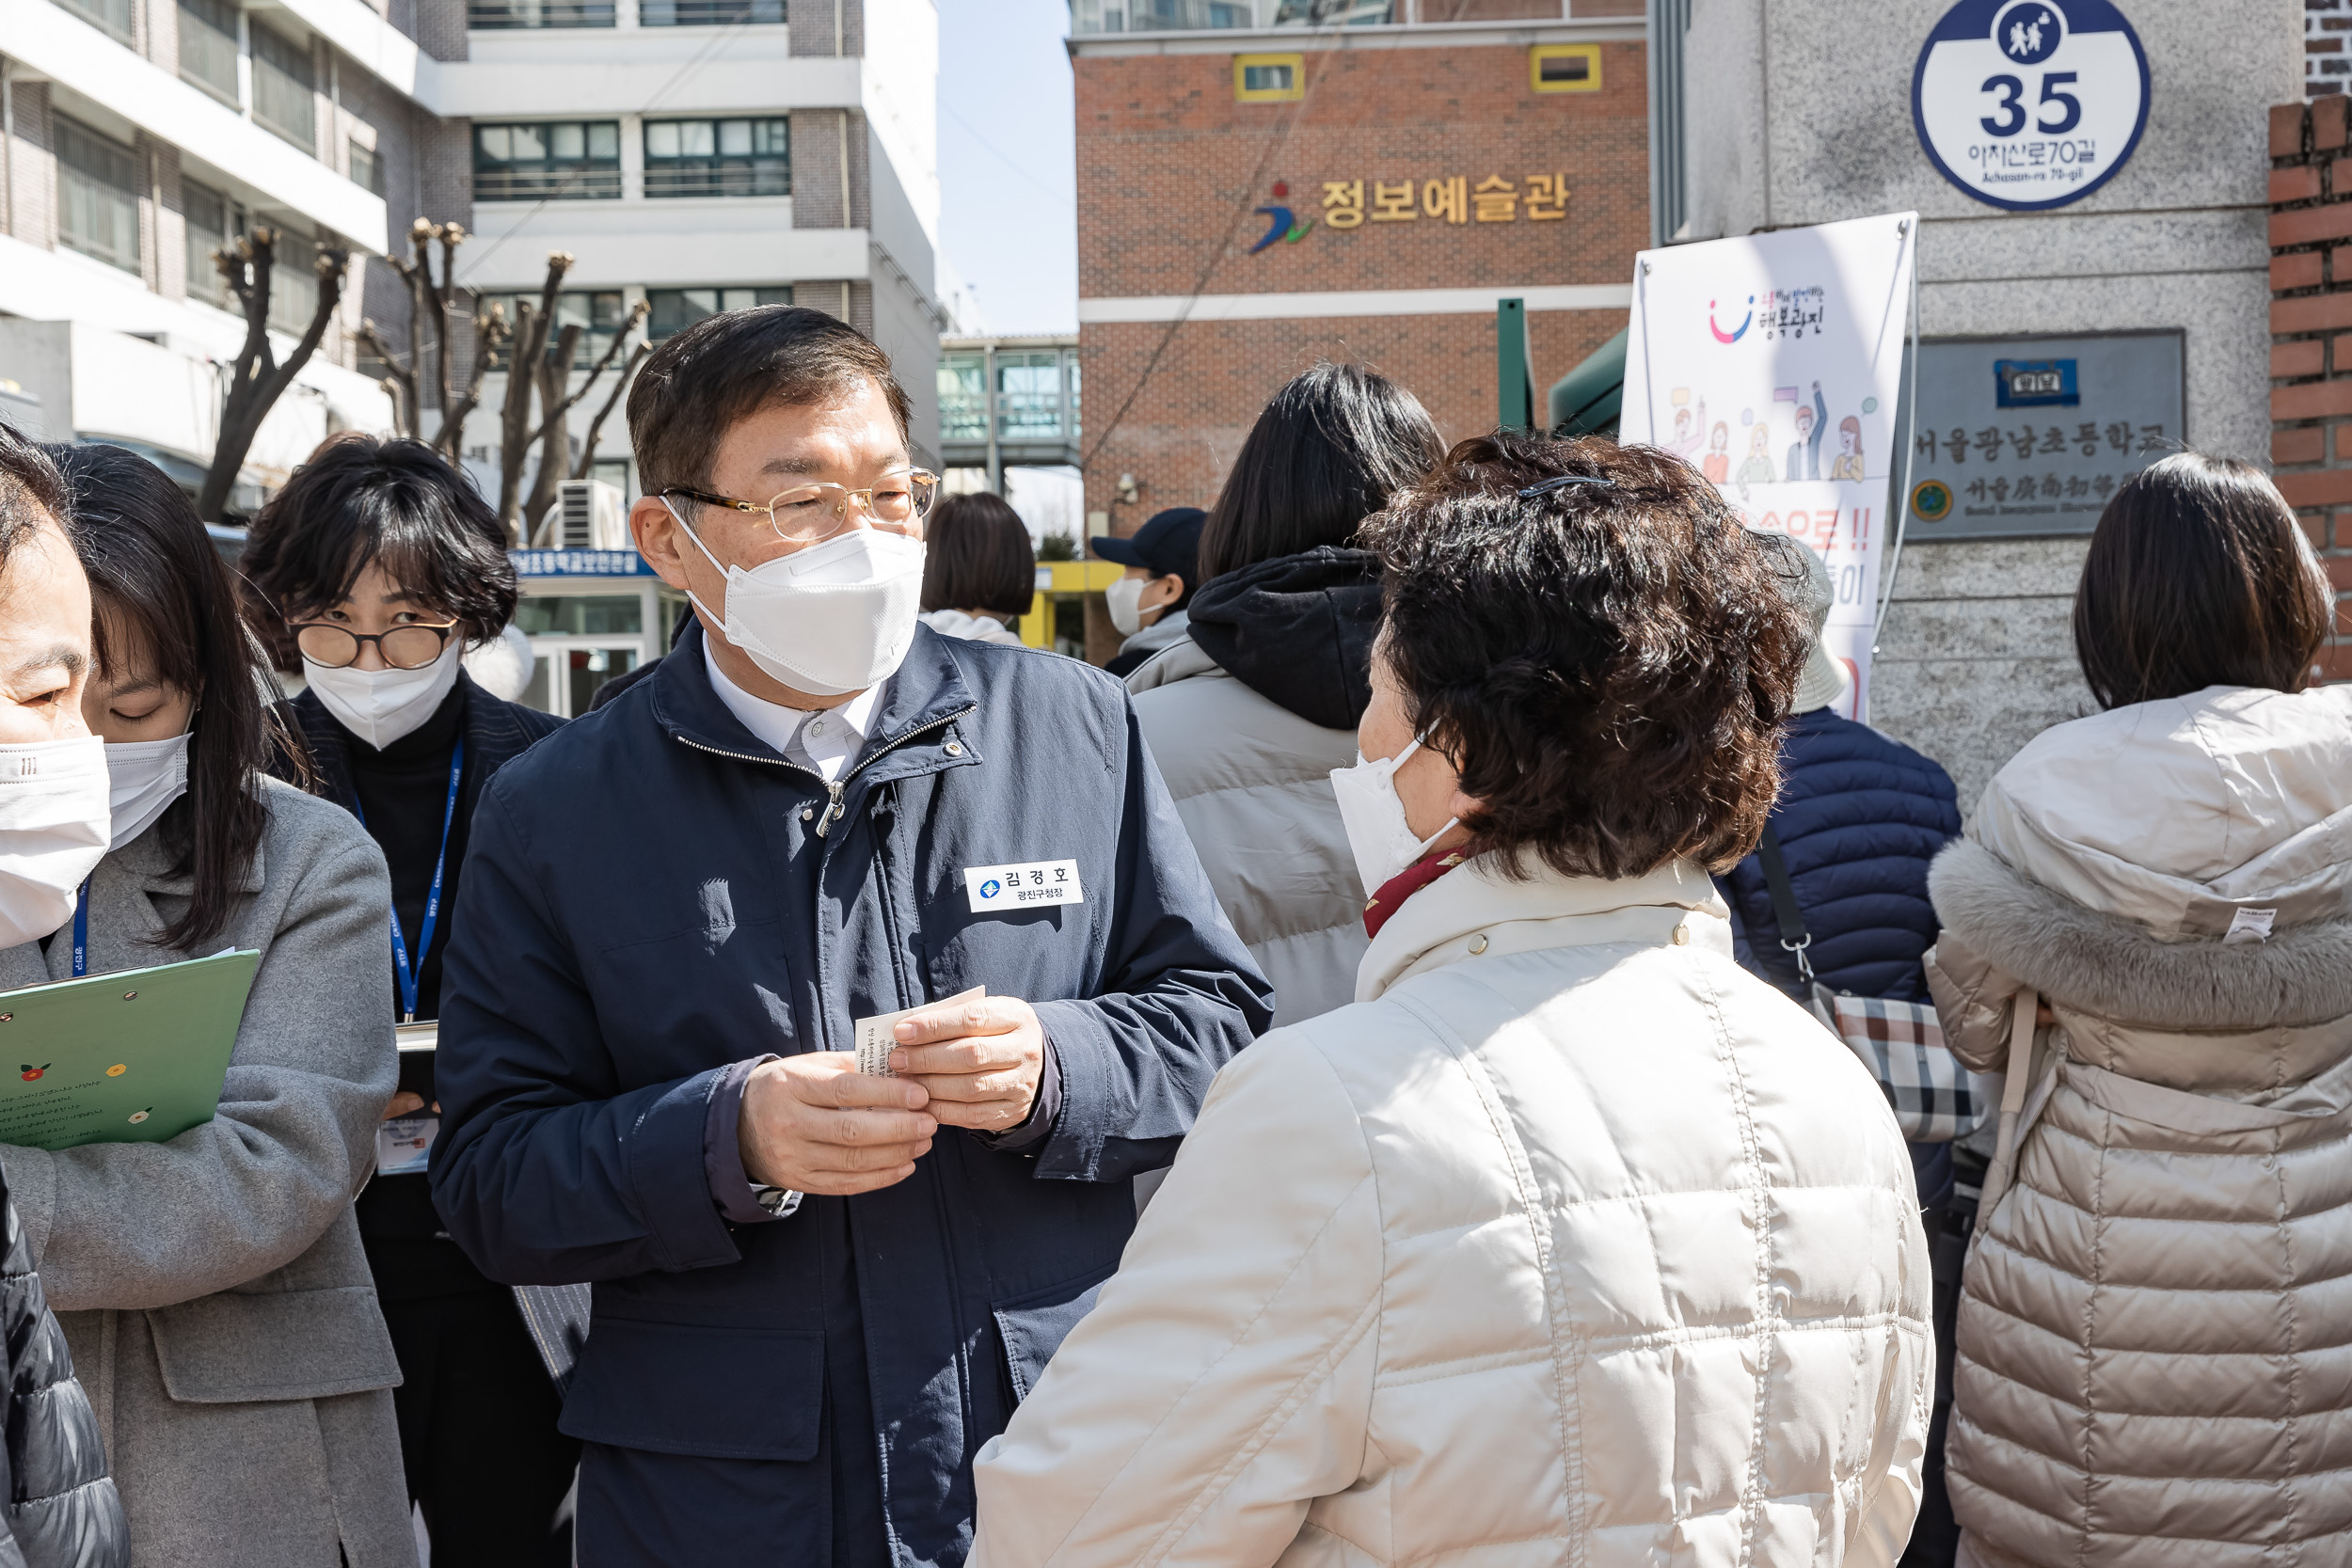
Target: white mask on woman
835,618
381,706
1373,815
54,831
1123,598
144,777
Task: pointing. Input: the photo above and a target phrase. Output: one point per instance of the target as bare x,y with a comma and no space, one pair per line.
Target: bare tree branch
596,426
399,380
552,439
255,379
491,330
515,435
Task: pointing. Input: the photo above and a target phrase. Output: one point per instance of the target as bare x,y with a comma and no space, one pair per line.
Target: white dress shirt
828,739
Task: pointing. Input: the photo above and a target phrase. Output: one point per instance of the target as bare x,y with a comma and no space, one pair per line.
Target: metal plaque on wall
2025,436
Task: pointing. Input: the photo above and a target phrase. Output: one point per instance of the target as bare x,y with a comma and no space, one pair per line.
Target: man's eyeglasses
331,647
808,512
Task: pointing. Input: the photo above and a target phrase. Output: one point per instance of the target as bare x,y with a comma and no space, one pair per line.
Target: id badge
994,889
404,1144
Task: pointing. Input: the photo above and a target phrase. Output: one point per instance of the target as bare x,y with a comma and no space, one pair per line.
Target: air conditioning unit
589,515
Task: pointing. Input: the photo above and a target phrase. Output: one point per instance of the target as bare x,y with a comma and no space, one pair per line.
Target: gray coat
212,1288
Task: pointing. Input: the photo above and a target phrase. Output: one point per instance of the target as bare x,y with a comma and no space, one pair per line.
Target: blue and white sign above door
2030,105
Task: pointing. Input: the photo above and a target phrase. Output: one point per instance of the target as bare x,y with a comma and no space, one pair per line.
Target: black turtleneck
403,792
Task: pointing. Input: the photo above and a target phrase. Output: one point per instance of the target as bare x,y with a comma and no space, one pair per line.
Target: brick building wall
1170,167
2327,47
812,23
2310,336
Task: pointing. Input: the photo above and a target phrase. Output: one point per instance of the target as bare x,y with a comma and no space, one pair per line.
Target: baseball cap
1169,542
1823,680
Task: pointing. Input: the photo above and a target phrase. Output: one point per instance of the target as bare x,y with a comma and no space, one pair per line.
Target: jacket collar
927,691
1478,912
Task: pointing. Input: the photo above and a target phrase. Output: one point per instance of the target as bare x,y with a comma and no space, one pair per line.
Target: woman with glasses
376,568
212,1287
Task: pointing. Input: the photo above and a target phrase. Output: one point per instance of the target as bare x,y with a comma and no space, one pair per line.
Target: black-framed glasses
331,647
809,513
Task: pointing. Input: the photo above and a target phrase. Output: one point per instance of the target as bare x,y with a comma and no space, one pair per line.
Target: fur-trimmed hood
2117,969
2227,807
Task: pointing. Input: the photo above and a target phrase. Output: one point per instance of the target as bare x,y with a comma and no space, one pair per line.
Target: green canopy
1586,400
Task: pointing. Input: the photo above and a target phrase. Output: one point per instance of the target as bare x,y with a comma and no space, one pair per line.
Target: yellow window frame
1589,53
1243,93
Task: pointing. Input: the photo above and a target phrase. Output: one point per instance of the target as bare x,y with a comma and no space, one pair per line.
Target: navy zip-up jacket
648,900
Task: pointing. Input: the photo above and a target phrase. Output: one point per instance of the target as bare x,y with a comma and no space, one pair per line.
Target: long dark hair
1324,457
156,580
362,498
976,555
2199,575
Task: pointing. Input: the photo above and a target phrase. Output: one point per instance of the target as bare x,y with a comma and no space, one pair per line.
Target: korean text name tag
996,887
404,1145
875,1041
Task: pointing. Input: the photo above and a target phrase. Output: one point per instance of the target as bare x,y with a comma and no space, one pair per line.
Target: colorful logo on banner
2030,103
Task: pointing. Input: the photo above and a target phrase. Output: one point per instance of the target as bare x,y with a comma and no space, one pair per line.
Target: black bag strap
1793,936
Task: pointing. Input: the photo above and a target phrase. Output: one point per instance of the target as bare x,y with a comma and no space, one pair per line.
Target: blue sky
1006,160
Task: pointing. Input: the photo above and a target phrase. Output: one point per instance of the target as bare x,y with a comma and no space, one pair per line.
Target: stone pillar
2310,337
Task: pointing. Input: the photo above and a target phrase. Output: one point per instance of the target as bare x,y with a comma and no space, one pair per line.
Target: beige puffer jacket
2156,1327
1573,1243
1252,781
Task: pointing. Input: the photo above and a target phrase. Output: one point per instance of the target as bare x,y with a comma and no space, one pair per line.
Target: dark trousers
477,1433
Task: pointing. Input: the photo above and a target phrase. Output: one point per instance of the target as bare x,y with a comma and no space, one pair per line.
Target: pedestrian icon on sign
2028,33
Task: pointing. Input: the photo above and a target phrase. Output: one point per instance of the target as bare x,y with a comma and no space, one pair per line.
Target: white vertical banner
1771,365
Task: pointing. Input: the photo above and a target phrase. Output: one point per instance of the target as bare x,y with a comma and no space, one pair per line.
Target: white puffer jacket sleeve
1209,1448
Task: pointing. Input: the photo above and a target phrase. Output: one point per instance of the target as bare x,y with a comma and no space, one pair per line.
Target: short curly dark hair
1608,665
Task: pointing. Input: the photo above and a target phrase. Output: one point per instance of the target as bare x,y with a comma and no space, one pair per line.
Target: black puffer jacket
62,1509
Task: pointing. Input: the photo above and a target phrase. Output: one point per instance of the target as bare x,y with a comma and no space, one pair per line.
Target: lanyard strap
408,972
81,931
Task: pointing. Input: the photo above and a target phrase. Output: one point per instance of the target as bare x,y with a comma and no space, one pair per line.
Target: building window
570,160
1334,13
110,16
98,196
675,310
1028,395
489,16
1563,67
599,313
294,283
367,168
208,47
706,14
284,98
1270,78
963,396
614,472
212,224
718,158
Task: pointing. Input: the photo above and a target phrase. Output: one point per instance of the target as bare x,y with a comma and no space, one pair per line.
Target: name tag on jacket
992,888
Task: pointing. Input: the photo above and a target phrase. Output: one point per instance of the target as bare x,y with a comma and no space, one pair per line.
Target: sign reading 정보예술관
2030,103
2023,437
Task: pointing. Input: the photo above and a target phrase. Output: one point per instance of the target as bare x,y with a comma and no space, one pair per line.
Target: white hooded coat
1571,1242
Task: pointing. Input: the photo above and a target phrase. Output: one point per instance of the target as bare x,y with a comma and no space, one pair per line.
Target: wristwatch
778,1202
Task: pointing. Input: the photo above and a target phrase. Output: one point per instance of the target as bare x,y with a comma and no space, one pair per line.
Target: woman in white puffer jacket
2156,1323
1570,1241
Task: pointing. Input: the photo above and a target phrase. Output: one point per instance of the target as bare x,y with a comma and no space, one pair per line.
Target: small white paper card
874,1041
404,1144
996,887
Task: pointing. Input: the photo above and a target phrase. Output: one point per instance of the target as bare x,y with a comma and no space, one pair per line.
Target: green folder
136,1056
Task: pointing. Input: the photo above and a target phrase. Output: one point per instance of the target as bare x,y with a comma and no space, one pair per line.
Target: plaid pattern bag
1935,1098
1934,1095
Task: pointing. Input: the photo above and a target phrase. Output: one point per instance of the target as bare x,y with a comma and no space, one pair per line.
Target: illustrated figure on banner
1759,467
1804,453
1718,465
1849,463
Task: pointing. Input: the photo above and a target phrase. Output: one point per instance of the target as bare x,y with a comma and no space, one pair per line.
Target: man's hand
407,1102
813,1123
979,1061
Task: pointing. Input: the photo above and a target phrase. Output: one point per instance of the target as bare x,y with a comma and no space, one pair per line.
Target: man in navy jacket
817,1292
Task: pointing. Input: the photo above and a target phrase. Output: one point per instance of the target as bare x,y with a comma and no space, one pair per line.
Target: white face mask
381,706
1370,810
830,619
54,831
144,777
1124,599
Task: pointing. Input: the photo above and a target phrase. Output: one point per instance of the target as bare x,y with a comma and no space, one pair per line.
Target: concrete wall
1800,113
